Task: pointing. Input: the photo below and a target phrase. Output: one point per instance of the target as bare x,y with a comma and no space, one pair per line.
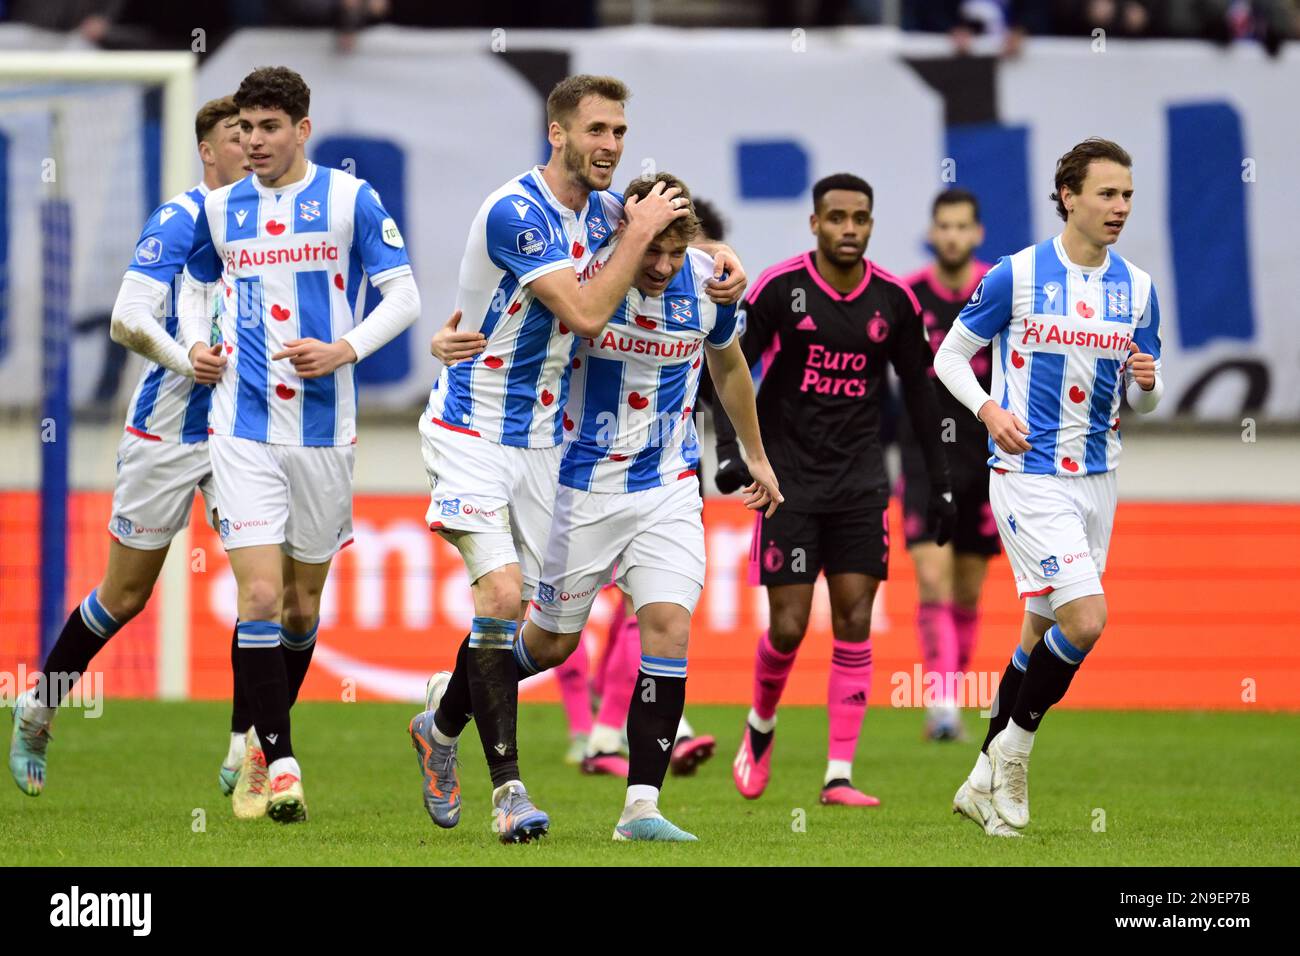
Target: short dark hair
954,197
711,222
684,228
275,88
211,113
1072,168
569,92
842,181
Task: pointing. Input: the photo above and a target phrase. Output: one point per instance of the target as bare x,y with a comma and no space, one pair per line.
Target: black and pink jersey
819,404
940,305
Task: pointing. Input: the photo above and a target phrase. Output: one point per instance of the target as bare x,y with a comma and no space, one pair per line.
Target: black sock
267,685
455,709
759,741
241,711
1008,690
494,693
1046,680
68,660
297,649
652,720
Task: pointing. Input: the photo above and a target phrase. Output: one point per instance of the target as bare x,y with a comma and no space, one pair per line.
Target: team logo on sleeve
1050,567
391,235
309,211
530,242
149,251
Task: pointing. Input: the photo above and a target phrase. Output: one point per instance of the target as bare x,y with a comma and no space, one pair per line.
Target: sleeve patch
530,242
149,251
392,236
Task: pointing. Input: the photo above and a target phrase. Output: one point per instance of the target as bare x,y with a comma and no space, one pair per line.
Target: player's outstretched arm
135,325
586,308
735,390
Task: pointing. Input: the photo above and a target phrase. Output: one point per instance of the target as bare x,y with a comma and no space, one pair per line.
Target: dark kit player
827,322
949,579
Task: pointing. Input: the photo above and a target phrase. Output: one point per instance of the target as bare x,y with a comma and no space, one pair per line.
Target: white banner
751,119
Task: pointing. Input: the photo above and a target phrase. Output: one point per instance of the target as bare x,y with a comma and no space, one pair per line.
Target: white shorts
502,495
154,494
655,538
298,497
1056,531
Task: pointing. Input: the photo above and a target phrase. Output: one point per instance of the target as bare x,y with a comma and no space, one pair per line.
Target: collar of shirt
559,207
281,192
1087,273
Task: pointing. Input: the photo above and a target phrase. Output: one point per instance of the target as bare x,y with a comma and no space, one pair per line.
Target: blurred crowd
146,24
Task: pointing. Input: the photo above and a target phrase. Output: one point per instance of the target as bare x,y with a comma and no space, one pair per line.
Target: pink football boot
751,774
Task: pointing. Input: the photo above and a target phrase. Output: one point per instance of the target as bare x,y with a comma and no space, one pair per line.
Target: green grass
1175,788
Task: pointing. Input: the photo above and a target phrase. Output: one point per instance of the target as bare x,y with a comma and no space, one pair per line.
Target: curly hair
1072,168
275,88
687,227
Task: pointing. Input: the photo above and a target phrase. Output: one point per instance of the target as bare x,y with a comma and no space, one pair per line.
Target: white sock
502,790
37,713
684,729
1017,740
641,791
441,738
764,725
284,765
981,777
838,770
604,740
238,747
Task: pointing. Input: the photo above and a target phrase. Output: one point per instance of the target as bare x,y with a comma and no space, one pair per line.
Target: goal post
49,80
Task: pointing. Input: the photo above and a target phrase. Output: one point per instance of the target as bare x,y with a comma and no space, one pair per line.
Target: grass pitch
138,787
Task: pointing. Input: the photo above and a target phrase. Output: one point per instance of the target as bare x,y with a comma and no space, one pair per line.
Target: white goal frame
175,74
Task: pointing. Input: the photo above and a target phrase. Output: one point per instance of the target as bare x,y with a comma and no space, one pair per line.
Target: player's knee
853,624
552,650
932,584
260,601
298,620
1084,628
786,630
123,602
666,640
497,595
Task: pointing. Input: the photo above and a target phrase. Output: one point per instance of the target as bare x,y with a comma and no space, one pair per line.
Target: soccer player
163,455
602,741
833,319
628,502
949,578
292,248
540,270
1073,325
